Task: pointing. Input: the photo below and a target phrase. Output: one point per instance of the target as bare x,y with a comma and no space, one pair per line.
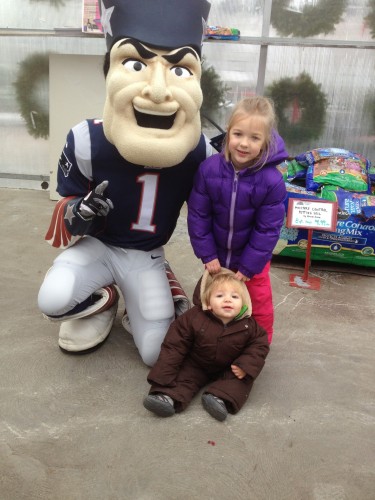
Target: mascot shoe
104,299
85,334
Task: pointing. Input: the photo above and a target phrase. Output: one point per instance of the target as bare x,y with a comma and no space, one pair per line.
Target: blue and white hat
166,24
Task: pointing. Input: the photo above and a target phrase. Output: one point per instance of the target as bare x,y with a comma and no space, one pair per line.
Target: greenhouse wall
315,58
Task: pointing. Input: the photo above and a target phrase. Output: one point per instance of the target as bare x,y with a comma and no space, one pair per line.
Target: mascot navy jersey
147,200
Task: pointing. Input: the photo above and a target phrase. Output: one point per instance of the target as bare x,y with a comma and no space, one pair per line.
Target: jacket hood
207,280
278,151
276,154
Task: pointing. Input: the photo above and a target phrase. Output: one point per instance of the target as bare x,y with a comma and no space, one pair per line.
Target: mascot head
153,93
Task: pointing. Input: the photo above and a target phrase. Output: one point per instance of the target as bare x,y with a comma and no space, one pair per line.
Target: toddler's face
225,302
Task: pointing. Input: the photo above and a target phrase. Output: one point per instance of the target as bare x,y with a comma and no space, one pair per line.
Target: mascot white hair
124,178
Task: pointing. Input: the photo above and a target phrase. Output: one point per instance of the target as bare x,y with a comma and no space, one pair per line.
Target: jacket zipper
231,218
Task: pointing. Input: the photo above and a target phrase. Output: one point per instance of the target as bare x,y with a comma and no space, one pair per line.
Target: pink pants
260,291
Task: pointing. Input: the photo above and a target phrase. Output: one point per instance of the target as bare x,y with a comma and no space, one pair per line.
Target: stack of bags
341,176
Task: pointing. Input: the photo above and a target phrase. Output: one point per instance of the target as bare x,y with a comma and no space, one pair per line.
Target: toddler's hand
238,372
213,266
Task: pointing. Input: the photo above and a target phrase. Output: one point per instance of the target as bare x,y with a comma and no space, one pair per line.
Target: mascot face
151,112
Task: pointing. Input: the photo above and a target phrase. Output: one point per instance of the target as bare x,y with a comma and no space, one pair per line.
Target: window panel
237,67
343,74
321,19
346,78
245,15
25,157
40,14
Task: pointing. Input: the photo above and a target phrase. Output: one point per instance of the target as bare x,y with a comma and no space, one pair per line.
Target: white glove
95,203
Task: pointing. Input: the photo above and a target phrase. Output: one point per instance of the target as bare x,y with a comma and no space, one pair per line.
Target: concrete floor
73,427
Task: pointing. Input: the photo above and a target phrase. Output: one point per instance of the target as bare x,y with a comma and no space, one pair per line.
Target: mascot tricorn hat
159,23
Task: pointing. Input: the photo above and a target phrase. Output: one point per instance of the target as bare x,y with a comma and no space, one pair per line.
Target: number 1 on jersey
147,204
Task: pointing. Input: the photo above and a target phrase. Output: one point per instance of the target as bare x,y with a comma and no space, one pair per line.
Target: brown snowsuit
199,349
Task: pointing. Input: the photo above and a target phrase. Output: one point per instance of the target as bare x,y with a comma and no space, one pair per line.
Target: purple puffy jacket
236,217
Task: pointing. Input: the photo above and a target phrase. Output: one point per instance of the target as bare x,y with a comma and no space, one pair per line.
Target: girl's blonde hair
254,106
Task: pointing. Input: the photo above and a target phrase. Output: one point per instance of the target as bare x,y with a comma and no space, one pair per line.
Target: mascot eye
134,65
180,71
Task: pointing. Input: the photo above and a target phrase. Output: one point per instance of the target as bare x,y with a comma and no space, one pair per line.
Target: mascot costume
124,179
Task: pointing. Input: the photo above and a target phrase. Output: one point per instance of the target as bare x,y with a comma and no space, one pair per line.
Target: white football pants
90,264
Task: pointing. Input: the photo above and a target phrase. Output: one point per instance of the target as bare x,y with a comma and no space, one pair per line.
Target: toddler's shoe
214,406
160,404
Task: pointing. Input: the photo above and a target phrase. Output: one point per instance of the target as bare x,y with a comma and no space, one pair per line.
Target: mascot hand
95,203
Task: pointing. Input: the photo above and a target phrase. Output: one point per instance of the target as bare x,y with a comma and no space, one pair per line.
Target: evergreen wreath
309,102
370,18
313,20
32,70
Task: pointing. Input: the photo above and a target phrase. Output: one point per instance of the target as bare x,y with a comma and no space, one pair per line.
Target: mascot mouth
154,121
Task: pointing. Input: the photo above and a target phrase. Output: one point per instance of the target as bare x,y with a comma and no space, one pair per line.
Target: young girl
236,208
217,342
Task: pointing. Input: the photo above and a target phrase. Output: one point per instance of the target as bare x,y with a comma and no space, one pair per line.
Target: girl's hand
241,277
213,266
238,372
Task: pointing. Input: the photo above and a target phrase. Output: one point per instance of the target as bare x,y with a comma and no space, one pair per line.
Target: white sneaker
83,334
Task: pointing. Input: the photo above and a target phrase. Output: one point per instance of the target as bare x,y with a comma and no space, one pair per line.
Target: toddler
218,343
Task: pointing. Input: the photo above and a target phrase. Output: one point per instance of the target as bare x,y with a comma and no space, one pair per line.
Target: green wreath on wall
33,70
312,20
300,108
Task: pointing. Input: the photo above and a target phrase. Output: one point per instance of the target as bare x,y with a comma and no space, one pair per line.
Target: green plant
214,91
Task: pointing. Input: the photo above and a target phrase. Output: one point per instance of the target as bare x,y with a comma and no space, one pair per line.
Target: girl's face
225,302
247,138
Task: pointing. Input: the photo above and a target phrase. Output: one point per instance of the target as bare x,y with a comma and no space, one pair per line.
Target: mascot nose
157,89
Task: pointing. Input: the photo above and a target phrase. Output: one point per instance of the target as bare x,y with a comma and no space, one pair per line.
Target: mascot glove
95,203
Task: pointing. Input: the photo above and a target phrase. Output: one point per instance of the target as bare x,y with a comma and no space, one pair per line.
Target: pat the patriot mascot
124,179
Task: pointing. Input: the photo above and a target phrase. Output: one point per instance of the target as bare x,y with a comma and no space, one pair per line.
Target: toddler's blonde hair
225,277
254,106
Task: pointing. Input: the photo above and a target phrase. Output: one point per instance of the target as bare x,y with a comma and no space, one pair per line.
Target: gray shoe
159,404
214,406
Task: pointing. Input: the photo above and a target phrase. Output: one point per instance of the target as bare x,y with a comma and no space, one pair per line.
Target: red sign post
310,214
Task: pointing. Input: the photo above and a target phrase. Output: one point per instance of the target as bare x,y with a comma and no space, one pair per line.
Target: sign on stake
310,214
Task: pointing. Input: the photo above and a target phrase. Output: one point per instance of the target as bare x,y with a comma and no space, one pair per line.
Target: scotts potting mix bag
337,167
350,203
353,241
291,169
371,174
